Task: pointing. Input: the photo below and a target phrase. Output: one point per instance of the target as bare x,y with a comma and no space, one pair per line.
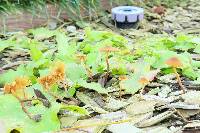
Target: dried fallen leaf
140,107
56,75
19,83
192,97
156,119
120,128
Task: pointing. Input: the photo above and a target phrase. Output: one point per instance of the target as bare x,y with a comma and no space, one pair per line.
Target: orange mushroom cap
174,62
123,77
109,49
81,57
143,81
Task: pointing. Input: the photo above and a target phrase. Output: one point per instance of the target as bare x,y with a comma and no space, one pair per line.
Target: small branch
27,100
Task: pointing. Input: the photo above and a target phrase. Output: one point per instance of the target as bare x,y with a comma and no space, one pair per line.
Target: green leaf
5,44
190,73
132,85
62,43
42,33
93,86
10,75
197,49
12,115
35,53
118,66
184,46
71,91
195,63
75,71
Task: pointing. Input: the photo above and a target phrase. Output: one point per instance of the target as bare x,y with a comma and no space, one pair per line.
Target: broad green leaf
62,42
75,71
184,46
132,85
118,66
71,91
35,53
10,75
14,118
5,44
42,33
195,63
190,73
197,49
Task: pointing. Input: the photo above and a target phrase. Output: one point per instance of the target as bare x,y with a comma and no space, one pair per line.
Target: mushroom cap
81,57
108,49
143,81
174,62
123,77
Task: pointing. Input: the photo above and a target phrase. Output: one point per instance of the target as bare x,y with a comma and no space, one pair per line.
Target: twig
27,100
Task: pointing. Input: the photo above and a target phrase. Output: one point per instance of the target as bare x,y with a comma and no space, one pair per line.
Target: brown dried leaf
56,75
18,84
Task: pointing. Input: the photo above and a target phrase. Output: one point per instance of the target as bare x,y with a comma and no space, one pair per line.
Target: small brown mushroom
175,63
107,50
121,78
144,81
82,59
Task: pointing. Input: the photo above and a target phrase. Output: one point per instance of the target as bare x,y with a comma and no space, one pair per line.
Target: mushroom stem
89,72
25,110
179,80
142,90
120,91
107,64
